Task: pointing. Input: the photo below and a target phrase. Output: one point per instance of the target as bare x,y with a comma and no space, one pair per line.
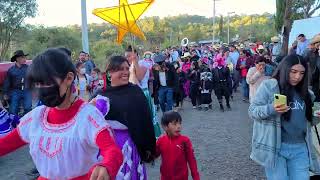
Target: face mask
82,70
50,96
147,56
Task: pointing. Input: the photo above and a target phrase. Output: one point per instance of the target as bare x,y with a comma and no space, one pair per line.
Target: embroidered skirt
131,168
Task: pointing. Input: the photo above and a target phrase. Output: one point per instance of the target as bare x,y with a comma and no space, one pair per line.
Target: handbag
316,176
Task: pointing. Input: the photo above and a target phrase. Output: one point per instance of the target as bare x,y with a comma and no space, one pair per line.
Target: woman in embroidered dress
131,120
65,134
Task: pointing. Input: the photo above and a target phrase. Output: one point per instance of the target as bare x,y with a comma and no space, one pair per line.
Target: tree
306,7
12,15
287,24
280,5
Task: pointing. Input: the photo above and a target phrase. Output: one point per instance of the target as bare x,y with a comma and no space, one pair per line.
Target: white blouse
63,151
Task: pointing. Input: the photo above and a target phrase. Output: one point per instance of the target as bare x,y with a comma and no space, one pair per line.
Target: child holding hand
175,150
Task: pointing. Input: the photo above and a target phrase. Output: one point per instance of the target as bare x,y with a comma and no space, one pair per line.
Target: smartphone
280,99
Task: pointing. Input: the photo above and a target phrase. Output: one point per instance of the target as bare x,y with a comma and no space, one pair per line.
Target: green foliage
12,15
162,33
280,5
43,38
102,50
300,9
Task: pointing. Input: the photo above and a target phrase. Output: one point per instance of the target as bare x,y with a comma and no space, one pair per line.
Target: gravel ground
221,142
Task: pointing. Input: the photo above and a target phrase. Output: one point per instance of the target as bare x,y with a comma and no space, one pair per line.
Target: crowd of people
107,122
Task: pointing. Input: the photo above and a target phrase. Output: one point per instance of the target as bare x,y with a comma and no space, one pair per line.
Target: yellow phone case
280,99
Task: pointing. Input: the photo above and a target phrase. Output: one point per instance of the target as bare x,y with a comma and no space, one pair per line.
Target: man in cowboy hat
313,56
14,85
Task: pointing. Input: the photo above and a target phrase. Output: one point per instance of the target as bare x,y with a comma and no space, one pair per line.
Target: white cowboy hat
260,47
275,39
185,55
315,39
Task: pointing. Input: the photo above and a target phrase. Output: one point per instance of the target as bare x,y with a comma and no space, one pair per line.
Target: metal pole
213,20
228,28
84,27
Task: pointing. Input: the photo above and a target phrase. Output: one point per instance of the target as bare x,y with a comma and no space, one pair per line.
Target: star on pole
124,17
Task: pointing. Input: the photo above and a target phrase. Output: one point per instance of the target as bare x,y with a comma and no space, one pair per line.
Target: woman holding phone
282,139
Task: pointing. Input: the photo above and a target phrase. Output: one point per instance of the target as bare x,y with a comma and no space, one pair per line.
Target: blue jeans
245,88
292,163
18,96
166,98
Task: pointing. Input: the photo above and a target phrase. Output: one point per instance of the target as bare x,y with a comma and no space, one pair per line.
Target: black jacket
170,77
194,77
314,74
180,80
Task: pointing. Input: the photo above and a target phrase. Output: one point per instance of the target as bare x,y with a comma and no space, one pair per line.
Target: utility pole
229,13
213,20
84,27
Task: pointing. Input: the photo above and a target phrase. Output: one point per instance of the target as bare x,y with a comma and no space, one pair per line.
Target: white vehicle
309,27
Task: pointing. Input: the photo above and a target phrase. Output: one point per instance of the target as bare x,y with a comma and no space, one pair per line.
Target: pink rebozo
219,61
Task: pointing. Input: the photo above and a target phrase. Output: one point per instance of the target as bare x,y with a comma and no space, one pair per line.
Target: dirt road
221,142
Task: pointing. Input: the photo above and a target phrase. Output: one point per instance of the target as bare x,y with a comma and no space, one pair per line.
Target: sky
68,12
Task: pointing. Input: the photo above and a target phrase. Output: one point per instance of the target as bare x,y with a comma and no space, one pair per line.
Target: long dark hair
51,64
282,74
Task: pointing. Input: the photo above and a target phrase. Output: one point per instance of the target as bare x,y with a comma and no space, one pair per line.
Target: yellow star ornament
124,17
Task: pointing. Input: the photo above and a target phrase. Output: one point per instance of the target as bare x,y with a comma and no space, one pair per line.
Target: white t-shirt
63,151
162,78
148,65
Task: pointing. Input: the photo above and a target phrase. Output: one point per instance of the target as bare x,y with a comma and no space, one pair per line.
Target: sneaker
194,107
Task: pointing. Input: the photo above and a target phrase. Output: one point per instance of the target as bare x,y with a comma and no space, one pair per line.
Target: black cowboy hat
16,54
159,58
